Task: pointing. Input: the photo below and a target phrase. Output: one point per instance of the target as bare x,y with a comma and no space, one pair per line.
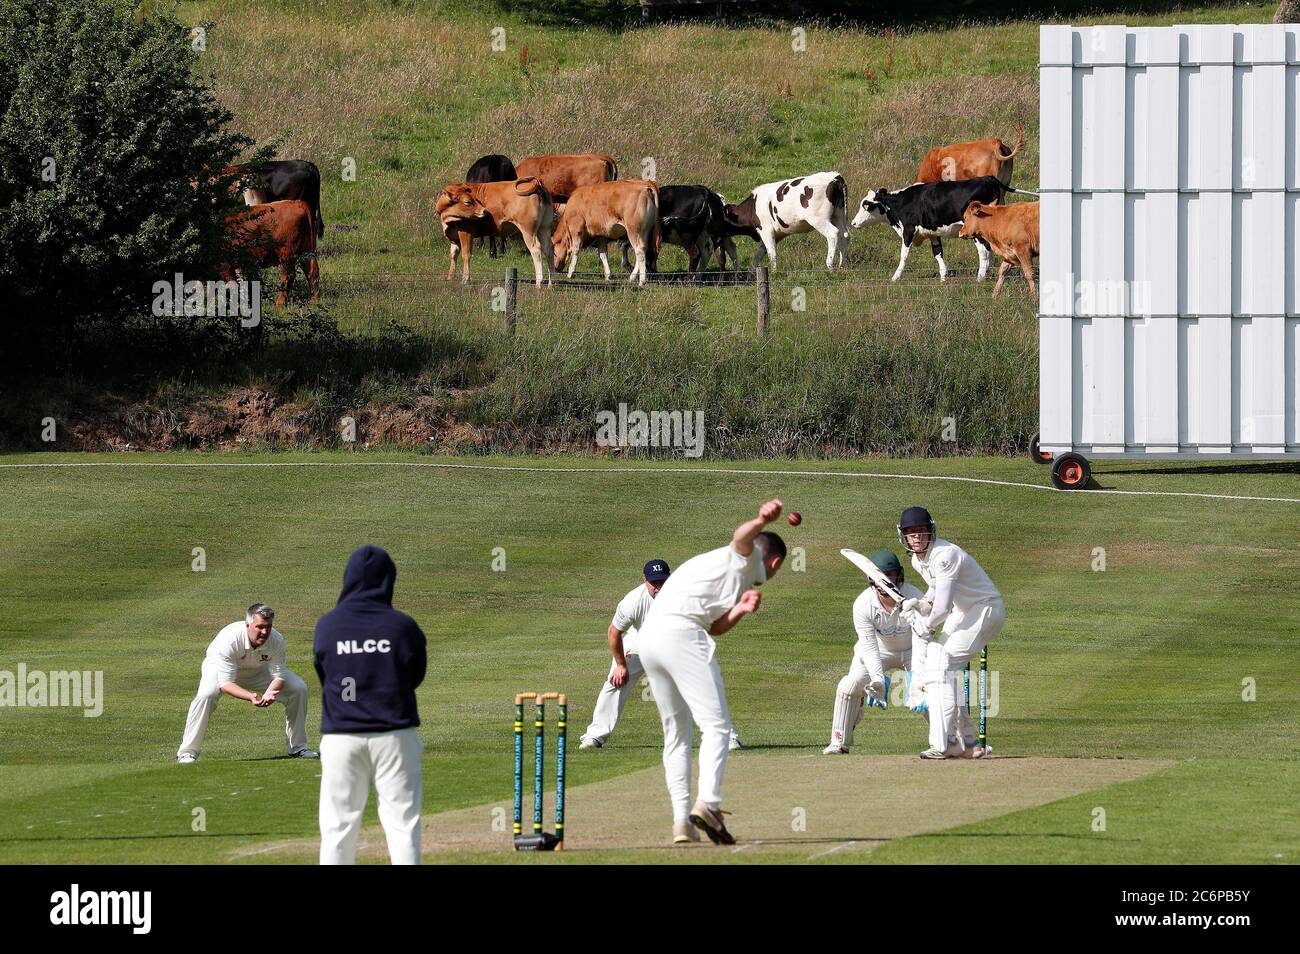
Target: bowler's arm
742,541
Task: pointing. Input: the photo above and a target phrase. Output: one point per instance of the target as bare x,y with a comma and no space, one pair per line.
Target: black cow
288,179
932,210
689,216
493,168
685,215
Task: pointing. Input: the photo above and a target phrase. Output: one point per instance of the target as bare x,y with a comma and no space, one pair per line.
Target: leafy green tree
112,152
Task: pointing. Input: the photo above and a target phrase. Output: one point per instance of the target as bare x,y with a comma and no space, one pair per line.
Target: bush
109,143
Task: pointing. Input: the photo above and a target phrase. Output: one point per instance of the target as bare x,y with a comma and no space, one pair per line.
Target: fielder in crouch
965,602
626,669
706,597
246,661
885,641
370,658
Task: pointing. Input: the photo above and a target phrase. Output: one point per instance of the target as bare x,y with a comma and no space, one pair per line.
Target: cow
970,160
471,209
493,168
777,209
562,174
685,219
286,179
276,233
930,210
721,231
1012,233
594,214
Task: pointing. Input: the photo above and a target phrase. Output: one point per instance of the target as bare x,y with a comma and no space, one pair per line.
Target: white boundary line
677,471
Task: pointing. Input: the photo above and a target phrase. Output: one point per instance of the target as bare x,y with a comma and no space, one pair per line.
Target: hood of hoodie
370,575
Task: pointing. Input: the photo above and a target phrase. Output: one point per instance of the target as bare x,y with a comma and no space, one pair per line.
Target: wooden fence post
764,300
512,298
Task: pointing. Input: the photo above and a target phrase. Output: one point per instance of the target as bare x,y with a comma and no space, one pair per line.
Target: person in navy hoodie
370,658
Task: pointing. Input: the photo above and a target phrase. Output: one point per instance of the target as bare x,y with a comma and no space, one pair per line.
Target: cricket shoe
684,833
938,754
978,751
834,749
734,743
710,822
186,758
305,754
590,744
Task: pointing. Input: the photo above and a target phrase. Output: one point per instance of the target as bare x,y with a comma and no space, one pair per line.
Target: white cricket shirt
233,658
704,588
887,630
629,615
971,586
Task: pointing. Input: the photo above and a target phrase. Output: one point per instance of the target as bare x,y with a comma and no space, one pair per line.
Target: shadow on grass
1225,467
205,836
617,15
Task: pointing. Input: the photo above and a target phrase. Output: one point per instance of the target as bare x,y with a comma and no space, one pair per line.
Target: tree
1288,11
112,151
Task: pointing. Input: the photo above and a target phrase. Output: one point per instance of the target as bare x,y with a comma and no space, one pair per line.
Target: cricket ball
795,518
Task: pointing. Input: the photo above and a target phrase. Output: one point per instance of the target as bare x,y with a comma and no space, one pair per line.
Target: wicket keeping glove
878,694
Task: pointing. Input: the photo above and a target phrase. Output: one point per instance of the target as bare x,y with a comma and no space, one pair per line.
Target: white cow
818,202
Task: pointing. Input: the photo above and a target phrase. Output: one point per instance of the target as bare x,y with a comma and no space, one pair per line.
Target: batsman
963,600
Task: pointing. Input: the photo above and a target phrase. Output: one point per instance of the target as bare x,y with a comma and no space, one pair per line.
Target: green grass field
1145,661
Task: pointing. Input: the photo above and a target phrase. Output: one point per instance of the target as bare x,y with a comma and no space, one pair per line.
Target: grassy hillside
412,93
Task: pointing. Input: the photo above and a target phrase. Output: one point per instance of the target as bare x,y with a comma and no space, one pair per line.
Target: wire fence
758,300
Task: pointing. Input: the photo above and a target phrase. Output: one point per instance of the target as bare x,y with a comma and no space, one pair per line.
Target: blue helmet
916,517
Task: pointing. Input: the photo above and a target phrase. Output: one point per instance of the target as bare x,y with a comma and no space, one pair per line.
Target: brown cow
969,160
277,233
1012,233
562,174
625,208
523,207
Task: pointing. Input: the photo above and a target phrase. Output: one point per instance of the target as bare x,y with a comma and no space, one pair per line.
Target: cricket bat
877,576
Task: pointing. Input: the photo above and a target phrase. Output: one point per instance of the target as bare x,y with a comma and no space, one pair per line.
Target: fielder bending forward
885,641
707,596
625,670
970,609
246,661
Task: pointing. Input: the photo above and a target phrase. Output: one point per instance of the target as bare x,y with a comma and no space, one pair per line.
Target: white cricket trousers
611,700
349,762
293,697
682,667
964,635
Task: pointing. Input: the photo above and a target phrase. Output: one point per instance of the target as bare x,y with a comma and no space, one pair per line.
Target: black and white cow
818,202
932,210
287,179
493,168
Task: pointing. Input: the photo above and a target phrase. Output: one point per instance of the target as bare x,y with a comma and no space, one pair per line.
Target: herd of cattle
560,204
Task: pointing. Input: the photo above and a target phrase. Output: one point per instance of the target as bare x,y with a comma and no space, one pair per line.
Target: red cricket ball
795,518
